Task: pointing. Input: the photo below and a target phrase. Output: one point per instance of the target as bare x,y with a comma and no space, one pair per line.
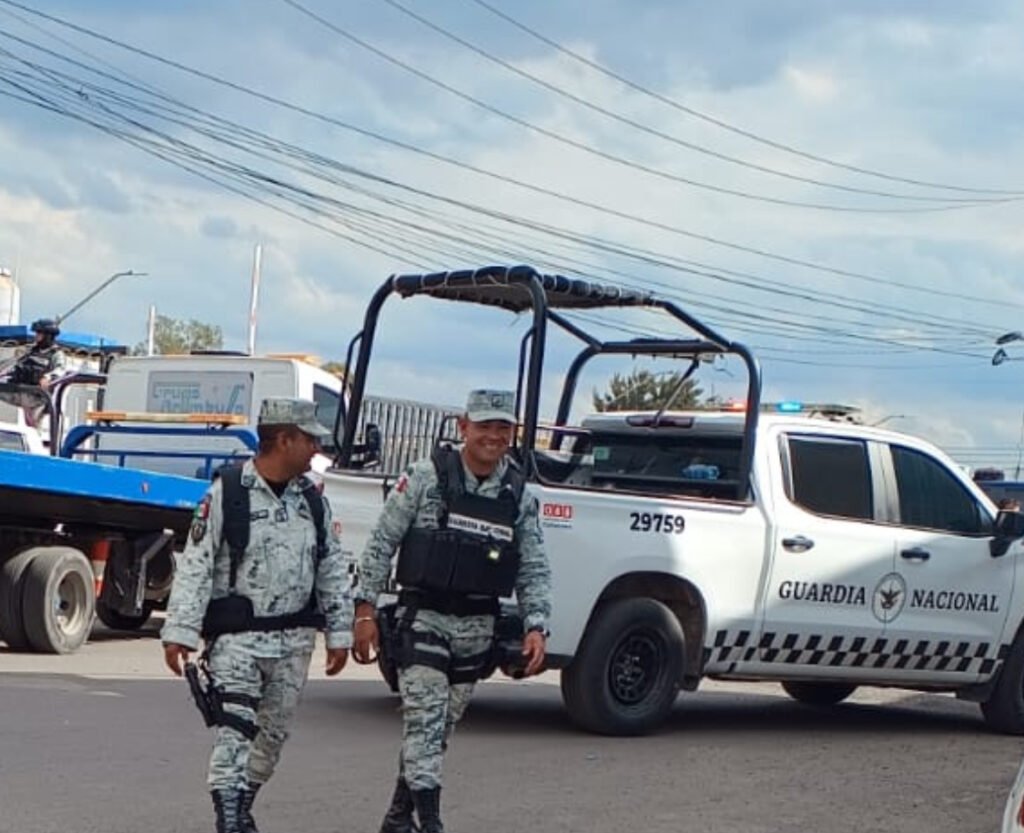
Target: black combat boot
398,818
248,797
428,809
228,806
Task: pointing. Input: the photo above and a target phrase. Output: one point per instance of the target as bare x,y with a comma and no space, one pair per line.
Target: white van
215,383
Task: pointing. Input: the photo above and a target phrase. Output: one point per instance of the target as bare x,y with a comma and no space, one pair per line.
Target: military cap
283,410
47,326
486,405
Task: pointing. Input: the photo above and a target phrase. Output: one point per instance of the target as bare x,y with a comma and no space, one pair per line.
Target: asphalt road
104,741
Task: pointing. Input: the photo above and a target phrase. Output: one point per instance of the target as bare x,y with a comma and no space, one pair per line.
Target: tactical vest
33,366
234,612
474,550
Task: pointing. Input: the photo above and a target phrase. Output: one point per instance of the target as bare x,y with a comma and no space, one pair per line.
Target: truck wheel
625,676
120,622
818,694
12,584
1004,709
58,604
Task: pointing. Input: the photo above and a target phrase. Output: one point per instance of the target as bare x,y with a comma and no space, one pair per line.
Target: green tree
643,390
177,336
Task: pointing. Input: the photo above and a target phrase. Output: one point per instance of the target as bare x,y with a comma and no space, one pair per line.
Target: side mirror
373,441
1008,527
366,454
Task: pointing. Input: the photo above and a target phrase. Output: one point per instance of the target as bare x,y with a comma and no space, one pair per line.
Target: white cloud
815,85
889,88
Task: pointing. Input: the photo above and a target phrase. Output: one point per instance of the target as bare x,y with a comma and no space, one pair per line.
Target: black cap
46,325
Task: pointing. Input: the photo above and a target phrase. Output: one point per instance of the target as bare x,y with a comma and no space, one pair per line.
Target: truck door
955,596
828,555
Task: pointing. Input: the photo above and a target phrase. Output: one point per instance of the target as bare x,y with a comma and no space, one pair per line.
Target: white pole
151,330
255,296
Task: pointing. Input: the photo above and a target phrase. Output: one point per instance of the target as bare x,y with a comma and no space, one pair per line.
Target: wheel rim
635,666
70,604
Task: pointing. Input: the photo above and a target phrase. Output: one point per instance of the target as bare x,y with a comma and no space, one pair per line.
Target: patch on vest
475,526
203,509
198,530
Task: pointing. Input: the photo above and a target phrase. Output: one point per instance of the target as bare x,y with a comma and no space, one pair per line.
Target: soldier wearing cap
39,366
289,577
466,534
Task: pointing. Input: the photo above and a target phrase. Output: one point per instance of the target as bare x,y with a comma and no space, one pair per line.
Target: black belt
450,603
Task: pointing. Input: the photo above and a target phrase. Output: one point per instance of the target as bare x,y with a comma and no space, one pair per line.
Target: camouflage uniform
278,573
430,704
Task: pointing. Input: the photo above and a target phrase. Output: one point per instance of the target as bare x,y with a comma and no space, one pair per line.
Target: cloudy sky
836,184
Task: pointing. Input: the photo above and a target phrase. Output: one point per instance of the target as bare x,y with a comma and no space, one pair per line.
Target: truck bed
37,490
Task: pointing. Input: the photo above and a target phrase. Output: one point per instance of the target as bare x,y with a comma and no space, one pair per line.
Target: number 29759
656,522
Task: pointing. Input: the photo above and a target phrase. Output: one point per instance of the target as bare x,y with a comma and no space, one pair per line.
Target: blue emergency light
789,407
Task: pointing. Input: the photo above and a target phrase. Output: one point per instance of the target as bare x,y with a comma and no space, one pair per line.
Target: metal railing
408,429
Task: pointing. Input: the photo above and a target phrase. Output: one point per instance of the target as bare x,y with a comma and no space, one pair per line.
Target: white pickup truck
687,545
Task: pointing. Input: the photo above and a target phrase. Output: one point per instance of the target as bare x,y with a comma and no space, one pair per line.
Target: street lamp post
887,418
97,291
998,358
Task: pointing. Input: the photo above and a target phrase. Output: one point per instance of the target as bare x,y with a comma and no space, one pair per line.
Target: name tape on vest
475,526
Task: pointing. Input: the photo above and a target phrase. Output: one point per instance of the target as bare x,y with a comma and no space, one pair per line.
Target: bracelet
365,619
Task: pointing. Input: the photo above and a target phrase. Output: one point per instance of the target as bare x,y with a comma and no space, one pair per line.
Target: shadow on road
510,709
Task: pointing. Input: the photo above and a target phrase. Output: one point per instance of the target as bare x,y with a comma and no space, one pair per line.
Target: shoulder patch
402,484
203,508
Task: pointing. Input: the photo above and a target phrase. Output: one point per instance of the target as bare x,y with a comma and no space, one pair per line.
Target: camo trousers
277,683
431,706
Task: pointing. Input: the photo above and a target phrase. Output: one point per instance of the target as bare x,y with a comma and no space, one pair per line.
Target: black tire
58,601
818,694
626,674
12,584
1004,709
119,621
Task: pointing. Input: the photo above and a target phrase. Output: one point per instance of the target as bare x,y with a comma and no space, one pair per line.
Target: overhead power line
568,141
489,56
749,134
606,210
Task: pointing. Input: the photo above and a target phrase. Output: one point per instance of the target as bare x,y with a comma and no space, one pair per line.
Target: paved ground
105,741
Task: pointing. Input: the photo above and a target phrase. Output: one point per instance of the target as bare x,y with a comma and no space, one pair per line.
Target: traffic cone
99,553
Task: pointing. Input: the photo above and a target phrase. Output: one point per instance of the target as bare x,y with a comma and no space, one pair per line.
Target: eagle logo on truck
889,597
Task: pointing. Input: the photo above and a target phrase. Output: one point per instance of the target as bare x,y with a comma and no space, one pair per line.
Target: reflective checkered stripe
731,647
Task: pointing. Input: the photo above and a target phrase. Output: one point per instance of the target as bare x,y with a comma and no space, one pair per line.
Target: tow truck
80,538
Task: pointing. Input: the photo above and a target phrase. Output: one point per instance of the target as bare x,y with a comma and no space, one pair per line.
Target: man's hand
534,645
367,640
175,656
336,659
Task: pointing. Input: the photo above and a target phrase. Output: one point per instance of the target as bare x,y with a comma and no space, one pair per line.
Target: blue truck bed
37,490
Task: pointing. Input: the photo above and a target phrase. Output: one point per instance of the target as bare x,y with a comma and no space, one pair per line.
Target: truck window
932,498
12,441
678,457
830,477
327,402
667,462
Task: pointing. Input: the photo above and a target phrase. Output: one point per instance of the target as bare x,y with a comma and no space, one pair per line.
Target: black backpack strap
451,479
513,482
235,509
315,502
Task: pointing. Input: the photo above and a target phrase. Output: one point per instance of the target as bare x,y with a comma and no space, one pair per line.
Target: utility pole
257,262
